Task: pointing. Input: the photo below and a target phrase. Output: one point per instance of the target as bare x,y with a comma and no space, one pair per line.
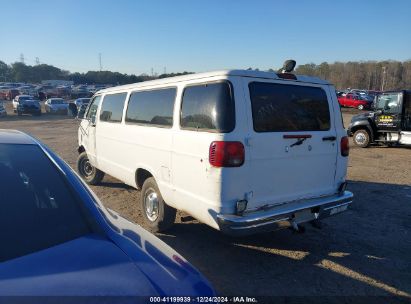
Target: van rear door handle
329,138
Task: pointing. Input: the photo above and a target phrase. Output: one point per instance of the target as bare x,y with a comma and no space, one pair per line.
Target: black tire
90,174
163,217
361,138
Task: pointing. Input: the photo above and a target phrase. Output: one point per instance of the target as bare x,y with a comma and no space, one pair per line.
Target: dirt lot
365,251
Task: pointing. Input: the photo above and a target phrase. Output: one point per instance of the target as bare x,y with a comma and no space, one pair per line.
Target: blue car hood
87,266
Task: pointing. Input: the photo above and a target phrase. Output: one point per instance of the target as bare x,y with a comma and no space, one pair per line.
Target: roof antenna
288,66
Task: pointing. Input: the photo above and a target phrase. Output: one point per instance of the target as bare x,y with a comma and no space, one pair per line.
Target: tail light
226,154
345,146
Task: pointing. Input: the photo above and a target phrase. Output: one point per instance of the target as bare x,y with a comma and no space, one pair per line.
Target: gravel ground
363,252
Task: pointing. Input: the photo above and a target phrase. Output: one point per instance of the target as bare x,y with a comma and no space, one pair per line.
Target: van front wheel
158,216
89,173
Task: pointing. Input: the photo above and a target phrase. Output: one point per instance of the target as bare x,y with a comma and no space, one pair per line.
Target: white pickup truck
241,151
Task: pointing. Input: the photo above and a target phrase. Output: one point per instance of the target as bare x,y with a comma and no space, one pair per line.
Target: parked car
389,123
27,90
354,101
56,106
19,98
25,104
367,98
3,112
11,94
240,163
81,92
59,240
80,101
3,92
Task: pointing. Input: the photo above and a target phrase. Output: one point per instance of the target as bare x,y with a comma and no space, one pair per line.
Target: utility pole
37,60
99,59
384,72
152,72
22,58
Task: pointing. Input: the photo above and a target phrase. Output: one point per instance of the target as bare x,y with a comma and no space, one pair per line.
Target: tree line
370,75
20,72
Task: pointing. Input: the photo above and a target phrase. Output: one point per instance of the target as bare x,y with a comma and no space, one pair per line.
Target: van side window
92,110
288,108
112,108
153,107
208,107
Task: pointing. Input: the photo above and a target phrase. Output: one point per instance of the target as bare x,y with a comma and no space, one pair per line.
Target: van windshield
287,108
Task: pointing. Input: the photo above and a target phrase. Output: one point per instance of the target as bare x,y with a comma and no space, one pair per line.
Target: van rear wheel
158,216
361,138
88,172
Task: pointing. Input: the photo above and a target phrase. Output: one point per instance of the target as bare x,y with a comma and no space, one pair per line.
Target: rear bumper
29,110
282,216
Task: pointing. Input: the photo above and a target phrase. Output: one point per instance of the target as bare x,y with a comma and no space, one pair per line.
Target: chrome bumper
281,216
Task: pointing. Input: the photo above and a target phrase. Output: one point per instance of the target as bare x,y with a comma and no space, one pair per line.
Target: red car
353,101
10,94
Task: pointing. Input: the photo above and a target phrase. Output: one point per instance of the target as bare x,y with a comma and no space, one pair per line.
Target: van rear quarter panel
342,162
201,189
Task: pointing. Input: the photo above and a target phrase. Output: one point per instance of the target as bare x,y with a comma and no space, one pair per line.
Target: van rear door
292,144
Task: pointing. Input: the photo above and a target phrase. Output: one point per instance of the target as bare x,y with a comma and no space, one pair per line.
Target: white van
241,151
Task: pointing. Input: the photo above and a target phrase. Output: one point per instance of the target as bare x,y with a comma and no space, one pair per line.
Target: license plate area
303,216
339,209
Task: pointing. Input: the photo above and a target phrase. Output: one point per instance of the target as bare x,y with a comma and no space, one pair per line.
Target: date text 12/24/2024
238,299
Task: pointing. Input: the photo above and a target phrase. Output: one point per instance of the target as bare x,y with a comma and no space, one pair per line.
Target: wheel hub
360,138
87,168
151,205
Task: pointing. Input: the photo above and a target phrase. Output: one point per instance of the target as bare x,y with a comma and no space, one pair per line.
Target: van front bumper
285,215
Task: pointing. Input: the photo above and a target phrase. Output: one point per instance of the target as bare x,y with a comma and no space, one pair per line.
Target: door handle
329,138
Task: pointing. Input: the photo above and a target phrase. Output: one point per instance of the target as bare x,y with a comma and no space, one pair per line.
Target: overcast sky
134,36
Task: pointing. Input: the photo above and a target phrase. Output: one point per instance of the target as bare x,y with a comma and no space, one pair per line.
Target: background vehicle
81,92
199,144
3,92
25,104
19,98
390,123
56,106
59,240
11,94
3,112
80,101
352,100
29,106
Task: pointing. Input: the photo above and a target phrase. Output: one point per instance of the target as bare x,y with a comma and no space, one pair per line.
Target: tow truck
389,123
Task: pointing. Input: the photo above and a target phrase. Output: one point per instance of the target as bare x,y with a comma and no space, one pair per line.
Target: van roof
242,73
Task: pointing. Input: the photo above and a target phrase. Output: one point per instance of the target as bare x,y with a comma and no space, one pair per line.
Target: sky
136,36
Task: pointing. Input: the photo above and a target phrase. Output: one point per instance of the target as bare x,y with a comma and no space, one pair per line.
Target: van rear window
208,107
288,108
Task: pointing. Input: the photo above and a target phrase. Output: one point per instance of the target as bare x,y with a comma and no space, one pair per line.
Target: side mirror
81,112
